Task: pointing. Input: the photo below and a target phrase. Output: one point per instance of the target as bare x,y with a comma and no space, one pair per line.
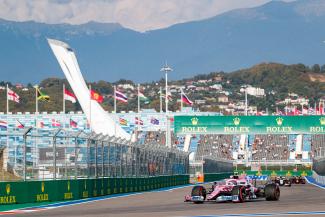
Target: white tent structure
100,121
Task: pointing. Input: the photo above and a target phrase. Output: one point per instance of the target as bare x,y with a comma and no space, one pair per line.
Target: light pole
246,102
166,69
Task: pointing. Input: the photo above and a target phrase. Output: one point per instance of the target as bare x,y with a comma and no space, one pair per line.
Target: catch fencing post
25,149
54,151
76,155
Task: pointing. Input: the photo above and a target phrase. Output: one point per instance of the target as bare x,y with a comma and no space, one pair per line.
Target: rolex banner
249,124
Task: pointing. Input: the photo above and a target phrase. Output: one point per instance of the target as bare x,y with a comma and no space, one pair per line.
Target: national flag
3,125
39,124
138,121
296,111
186,100
304,111
121,96
311,111
143,98
73,123
41,96
19,125
69,96
154,121
12,96
96,96
56,123
169,95
320,109
123,122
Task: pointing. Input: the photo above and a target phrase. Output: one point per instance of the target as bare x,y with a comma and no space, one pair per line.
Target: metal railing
34,154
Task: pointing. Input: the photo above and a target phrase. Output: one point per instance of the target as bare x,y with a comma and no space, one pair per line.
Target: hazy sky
140,15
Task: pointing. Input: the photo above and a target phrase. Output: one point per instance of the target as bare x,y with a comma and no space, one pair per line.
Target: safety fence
276,172
37,154
319,166
60,190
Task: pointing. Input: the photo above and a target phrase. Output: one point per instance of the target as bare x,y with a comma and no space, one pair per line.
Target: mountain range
286,32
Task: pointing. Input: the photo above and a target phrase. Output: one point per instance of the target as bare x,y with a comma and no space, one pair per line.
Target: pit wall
62,190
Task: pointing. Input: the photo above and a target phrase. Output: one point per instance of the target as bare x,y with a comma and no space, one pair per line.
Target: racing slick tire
238,194
303,180
272,192
199,191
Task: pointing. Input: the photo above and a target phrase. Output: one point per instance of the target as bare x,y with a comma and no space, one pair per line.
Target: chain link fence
35,154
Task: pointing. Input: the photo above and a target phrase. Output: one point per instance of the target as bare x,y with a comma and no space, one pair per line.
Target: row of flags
290,111
69,96
39,124
138,121
73,123
13,96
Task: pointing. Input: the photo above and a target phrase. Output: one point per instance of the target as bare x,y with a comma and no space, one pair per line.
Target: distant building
201,88
126,86
19,86
191,87
202,81
297,101
216,87
200,101
253,91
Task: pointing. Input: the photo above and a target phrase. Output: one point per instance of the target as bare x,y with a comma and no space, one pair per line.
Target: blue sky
140,15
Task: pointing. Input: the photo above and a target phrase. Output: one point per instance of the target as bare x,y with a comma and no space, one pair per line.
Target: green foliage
277,79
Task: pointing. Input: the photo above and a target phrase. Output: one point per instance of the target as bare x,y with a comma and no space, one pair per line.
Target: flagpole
7,101
63,98
181,99
139,98
36,99
160,99
139,118
114,99
90,107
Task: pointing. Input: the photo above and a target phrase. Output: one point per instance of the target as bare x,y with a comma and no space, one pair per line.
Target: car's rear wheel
199,191
238,194
272,192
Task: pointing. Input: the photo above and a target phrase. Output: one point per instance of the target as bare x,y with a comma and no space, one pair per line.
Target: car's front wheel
272,192
238,194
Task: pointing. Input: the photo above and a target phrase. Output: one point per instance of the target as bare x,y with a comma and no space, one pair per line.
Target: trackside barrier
276,173
318,178
60,190
210,177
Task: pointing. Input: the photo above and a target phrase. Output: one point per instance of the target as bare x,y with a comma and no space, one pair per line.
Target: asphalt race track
299,198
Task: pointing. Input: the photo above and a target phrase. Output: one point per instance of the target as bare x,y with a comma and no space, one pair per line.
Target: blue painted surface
266,214
312,181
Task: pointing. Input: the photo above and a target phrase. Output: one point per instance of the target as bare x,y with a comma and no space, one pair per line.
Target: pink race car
236,189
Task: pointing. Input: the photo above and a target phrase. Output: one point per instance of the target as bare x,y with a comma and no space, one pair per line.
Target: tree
316,68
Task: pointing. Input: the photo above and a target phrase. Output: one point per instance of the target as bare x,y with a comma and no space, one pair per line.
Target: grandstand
216,146
270,147
260,147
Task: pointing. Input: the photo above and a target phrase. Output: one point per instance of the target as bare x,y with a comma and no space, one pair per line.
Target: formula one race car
298,180
282,181
236,189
